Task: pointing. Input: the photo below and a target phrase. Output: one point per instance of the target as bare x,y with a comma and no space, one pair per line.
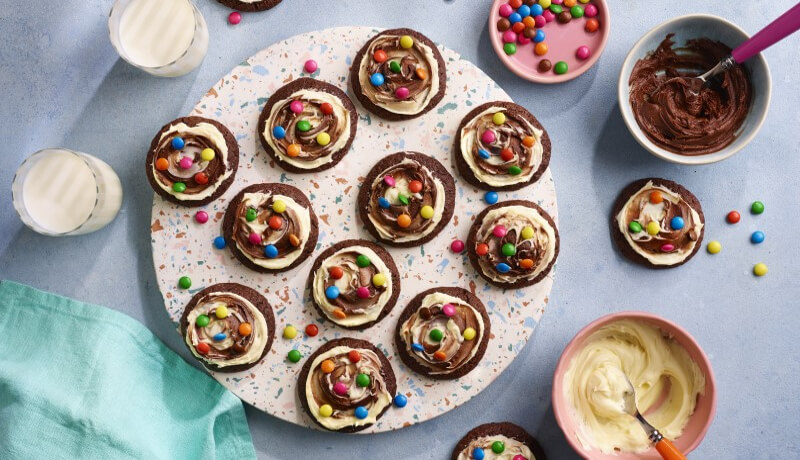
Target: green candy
498,447
635,227
757,207
510,48
362,380
436,335
251,214
303,125
294,356
556,8
394,66
560,67
362,261
184,282
576,12
515,170
402,198
179,187
202,320
509,249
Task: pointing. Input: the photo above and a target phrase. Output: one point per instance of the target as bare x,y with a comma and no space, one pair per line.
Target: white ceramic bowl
684,28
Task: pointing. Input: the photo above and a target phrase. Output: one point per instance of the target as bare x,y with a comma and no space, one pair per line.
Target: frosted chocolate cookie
399,74
270,227
495,441
443,333
346,385
658,223
354,283
406,199
513,244
501,146
250,5
192,161
228,327
307,125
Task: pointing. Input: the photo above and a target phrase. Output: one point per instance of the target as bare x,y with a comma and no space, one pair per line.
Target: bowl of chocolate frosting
674,117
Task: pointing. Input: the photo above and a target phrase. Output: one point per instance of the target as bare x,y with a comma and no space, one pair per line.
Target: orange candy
506,154
245,329
379,56
415,186
336,272
293,150
529,22
339,313
439,356
354,356
327,366
527,264
421,73
294,240
518,27
528,141
275,222
162,164
540,49
592,25
482,249
404,220
656,197
570,3
515,3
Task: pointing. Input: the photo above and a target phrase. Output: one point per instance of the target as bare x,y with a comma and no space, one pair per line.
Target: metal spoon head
629,399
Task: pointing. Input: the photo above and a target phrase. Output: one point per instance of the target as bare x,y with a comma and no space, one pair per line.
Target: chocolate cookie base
386,372
626,193
380,111
283,93
438,171
250,294
515,111
275,189
412,308
473,256
232,160
385,257
506,429
260,5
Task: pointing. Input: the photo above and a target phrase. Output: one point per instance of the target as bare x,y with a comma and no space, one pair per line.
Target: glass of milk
59,192
167,38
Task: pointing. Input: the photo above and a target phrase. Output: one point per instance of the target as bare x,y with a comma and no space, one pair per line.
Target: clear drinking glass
59,192
166,38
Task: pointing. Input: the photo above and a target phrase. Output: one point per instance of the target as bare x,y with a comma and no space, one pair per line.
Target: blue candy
477,453
400,401
491,197
537,10
278,132
757,237
525,10
539,37
219,242
271,251
332,292
484,154
676,223
416,347
515,18
220,337
376,79
177,143
503,267
361,412
384,203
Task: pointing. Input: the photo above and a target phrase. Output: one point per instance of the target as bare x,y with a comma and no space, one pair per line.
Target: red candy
733,217
336,272
506,154
354,356
326,108
518,27
457,246
201,178
482,249
202,348
275,222
415,186
515,3
592,25
312,330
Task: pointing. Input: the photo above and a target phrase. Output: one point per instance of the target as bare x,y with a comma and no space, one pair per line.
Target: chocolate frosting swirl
355,277
675,111
195,142
288,239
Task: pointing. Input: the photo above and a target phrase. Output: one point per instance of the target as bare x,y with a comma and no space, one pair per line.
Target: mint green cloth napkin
82,381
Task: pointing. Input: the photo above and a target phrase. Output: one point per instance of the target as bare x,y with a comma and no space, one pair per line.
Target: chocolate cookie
501,146
498,440
443,333
228,327
250,5
406,199
307,125
513,244
351,379
270,227
657,223
354,283
399,74
192,161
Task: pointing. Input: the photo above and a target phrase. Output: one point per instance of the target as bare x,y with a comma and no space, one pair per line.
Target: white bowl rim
633,127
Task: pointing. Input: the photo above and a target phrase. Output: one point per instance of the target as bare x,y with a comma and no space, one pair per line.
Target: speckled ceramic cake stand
181,246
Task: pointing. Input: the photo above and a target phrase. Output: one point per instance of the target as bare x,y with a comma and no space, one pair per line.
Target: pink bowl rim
560,409
605,30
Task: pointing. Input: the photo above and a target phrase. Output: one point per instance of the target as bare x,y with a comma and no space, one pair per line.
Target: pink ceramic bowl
562,39
698,424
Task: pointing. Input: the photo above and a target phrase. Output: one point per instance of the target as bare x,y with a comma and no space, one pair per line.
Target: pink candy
523,40
340,388
541,20
401,93
499,231
296,106
556,2
362,292
185,163
488,137
548,16
590,10
235,18
583,52
506,10
201,217
457,246
448,309
389,180
254,238
509,36
519,457
310,66
667,248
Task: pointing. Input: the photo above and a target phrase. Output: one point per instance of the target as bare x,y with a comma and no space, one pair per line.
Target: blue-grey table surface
63,85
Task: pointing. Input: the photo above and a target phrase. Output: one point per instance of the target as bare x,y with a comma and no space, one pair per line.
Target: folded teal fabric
83,381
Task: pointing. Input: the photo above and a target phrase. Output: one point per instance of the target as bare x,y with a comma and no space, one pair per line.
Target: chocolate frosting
194,144
287,239
348,300
416,57
235,344
679,114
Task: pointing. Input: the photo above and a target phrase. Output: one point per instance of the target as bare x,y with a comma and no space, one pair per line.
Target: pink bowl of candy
549,41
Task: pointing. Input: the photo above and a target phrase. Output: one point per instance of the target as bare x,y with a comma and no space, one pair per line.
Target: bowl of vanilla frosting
671,375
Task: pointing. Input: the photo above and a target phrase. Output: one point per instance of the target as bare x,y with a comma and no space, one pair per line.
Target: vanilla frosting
511,450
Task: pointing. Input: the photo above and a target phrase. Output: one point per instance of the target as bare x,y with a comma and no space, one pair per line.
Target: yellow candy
546,3
527,233
379,279
406,41
653,228
760,270
469,333
207,154
582,1
325,410
714,247
499,118
289,332
426,212
278,206
323,138
222,312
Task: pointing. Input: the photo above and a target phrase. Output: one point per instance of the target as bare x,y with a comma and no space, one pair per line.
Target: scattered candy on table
714,247
757,207
184,282
457,246
760,269
312,330
310,66
289,332
294,356
733,217
234,18
491,197
400,400
757,237
201,217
